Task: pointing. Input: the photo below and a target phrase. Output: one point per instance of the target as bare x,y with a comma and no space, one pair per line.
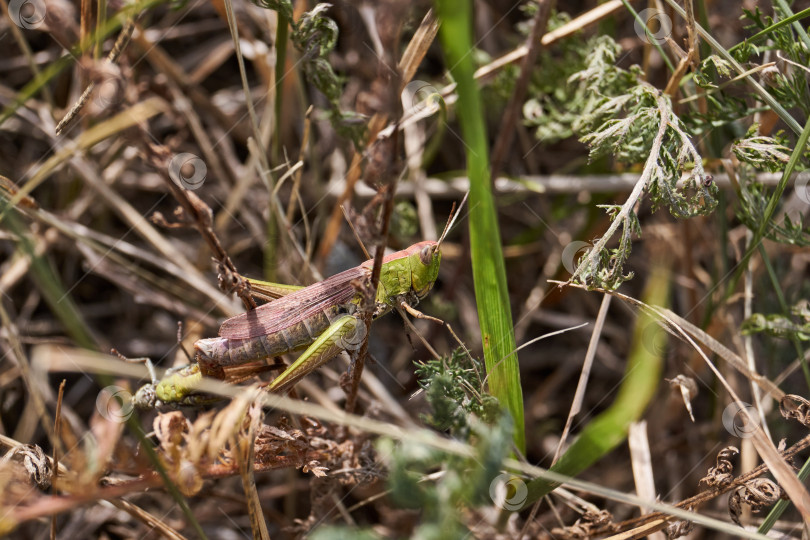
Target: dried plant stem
507,129
57,429
701,498
297,176
411,58
202,218
584,376
112,57
358,361
52,505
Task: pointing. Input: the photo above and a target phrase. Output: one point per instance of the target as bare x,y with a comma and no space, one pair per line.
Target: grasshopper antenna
453,215
180,342
150,367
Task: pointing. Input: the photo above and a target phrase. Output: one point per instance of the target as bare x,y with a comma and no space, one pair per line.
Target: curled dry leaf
186,448
586,525
230,421
199,438
273,442
15,491
721,474
174,433
170,429
315,468
795,407
106,429
32,458
188,478
689,390
758,494
678,529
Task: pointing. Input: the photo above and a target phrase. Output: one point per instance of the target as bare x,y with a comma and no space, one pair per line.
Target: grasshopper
323,319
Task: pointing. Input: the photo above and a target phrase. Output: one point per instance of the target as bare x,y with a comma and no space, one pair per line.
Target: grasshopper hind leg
345,334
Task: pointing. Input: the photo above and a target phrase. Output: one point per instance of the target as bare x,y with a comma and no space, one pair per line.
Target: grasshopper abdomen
216,354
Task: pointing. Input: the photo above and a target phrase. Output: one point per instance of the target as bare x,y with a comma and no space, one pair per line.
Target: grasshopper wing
295,307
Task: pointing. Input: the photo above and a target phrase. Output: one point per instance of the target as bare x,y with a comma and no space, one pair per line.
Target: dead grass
108,247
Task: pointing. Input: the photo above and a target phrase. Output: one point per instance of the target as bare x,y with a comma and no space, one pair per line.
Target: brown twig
369,304
382,165
53,505
533,45
201,216
245,450
294,198
406,68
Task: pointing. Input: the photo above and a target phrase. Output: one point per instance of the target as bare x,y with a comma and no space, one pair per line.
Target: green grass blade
651,39
48,282
36,85
797,26
641,380
489,271
765,32
780,507
770,209
785,309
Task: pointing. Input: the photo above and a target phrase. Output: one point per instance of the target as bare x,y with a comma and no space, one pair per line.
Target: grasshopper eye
426,255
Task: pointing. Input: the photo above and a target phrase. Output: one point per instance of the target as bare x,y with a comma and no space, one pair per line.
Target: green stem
798,151
784,307
764,32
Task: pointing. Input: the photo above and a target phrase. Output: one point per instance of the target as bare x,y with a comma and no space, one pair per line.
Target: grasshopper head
425,258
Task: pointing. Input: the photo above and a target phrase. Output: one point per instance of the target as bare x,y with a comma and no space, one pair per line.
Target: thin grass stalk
642,376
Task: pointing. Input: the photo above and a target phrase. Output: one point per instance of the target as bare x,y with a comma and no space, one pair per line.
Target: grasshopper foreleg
401,309
404,305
